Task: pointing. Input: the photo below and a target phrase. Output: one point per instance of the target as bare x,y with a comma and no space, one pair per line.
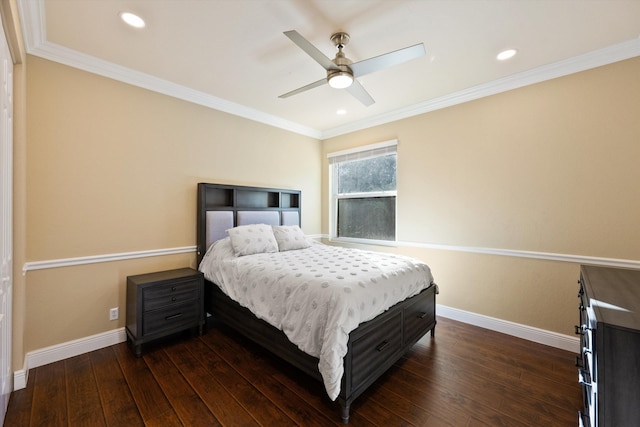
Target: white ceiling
232,55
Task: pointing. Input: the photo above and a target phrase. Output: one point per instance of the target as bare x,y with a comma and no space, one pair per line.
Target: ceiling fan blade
304,88
311,50
359,92
387,60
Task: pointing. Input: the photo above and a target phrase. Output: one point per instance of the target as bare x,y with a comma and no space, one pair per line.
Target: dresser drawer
420,316
170,294
178,317
375,347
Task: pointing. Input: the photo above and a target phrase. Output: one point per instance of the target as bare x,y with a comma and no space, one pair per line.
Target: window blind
364,152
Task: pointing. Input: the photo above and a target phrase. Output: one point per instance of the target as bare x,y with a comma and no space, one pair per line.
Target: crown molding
34,32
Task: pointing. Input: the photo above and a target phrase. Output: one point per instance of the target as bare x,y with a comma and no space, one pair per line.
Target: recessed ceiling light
341,112
506,54
132,19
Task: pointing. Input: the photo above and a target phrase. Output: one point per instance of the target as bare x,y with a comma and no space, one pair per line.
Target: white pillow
290,237
252,239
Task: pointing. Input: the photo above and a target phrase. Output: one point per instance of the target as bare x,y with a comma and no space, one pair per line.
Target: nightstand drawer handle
173,289
422,315
173,298
173,316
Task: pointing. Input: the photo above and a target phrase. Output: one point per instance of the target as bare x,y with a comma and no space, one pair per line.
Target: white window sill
392,243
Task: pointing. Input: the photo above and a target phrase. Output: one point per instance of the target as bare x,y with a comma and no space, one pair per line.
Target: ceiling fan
342,72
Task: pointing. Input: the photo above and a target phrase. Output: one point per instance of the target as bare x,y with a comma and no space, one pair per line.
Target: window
363,193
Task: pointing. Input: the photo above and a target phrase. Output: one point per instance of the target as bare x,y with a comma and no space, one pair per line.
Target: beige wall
112,168
551,167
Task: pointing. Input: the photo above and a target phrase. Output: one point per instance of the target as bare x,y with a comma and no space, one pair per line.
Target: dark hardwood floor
465,376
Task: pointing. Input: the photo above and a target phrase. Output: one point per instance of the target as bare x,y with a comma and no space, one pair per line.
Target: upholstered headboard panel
221,207
291,218
218,222
258,217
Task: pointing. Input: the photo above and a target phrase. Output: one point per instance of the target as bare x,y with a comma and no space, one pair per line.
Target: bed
366,349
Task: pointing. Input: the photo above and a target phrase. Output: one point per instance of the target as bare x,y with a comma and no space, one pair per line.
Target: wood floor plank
49,396
259,370
490,383
19,408
518,356
261,408
447,398
221,403
185,401
117,402
154,407
83,396
313,392
400,405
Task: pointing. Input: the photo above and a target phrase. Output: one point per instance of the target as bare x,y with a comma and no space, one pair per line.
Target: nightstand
163,303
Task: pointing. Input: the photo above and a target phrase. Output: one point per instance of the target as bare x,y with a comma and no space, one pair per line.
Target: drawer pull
173,289
583,420
382,346
422,315
173,316
580,329
173,298
584,378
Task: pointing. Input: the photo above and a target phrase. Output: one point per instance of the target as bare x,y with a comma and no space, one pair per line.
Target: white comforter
318,295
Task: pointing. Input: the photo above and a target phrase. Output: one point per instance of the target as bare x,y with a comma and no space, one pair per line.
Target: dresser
163,303
609,360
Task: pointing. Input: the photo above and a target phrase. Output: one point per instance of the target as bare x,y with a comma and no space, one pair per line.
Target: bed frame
372,348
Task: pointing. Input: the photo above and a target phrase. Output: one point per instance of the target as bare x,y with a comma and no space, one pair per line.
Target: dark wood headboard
237,198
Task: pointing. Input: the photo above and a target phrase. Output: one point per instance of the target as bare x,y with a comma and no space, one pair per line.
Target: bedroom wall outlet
113,313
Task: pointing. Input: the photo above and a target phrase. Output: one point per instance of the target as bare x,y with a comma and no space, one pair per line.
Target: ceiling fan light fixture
340,79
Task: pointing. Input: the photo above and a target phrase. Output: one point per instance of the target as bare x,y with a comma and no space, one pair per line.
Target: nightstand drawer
170,294
180,316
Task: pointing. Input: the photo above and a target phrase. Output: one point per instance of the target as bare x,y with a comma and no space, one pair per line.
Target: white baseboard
20,377
553,339
58,352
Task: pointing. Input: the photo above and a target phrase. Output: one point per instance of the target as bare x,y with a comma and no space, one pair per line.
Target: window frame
360,153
